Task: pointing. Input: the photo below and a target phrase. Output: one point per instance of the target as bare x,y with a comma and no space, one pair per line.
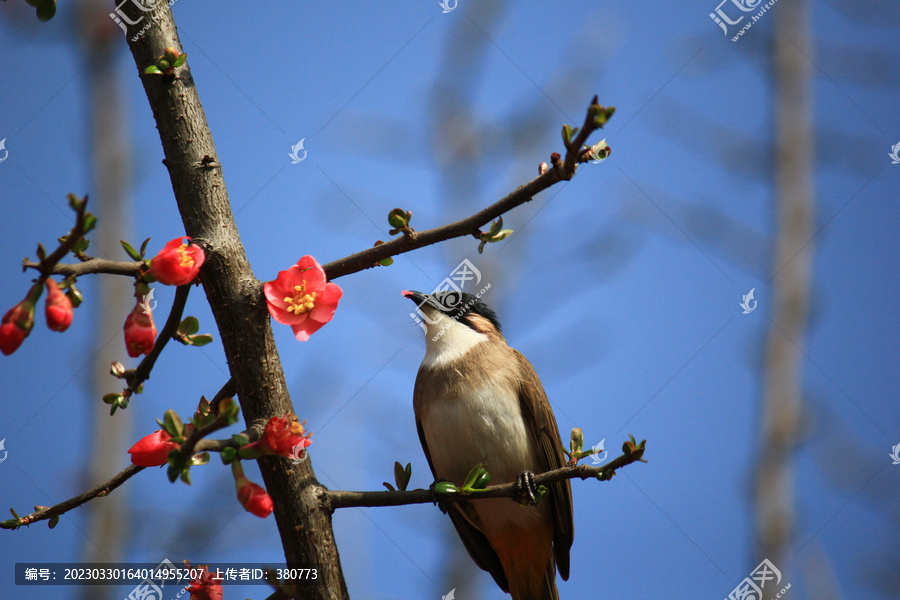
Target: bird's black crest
469,304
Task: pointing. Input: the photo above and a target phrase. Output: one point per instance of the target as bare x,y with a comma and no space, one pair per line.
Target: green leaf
81,245
46,10
14,513
152,70
41,253
90,221
227,455
134,254
200,459
501,235
497,225
180,60
240,439
189,326
386,262
144,247
402,475
388,486
172,424
111,398
201,340
444,487
473,475
54,521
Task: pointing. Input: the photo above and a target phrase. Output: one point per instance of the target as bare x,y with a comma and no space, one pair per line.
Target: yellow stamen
300,303
184,259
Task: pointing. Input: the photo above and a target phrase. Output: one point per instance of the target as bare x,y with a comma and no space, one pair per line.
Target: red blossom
178,262
252,497
283,436
58,308
140,332
152,450
18,321
205,587
302,298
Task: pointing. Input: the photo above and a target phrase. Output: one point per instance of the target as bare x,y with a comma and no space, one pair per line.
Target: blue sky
622,286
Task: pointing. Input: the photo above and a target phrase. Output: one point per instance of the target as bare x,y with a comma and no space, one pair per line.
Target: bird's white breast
478,425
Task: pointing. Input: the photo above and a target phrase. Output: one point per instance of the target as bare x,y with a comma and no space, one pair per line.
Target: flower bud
140,332
252,497
18,321
152,450
58,308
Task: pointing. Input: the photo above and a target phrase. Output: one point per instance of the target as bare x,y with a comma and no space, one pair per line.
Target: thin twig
471,225
101,490
334,499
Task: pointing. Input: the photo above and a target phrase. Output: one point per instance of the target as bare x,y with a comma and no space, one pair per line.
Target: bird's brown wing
476,544
533,401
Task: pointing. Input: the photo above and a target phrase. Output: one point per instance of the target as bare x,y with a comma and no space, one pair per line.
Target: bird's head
446,314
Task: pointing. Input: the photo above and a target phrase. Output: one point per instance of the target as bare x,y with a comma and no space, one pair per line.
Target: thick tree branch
561,171
234,293
93,265
334,499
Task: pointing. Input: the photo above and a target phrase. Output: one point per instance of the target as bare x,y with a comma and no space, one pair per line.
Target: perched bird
477,400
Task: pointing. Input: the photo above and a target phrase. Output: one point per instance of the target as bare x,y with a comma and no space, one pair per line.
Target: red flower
206,586
18,321
284,436
58,308
152,450
140,332
178,262
252,497
300,297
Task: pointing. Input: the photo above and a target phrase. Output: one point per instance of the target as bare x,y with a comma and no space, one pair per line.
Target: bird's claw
526,488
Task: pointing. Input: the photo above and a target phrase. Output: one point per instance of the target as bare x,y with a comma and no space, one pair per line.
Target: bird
477,400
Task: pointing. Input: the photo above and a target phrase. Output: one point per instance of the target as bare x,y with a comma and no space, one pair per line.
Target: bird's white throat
447,340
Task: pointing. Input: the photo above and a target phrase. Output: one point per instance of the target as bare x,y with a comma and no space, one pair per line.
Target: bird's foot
526,488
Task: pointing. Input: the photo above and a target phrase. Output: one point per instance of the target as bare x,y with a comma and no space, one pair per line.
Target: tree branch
561,171
334,499
101,490
92,265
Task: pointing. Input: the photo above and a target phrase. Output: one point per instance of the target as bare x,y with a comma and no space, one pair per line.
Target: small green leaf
90,221
386,262
46,10
75,296
473,475
444,487
41,253
388,486
14,513
144,247
397,218
200,459
401,475
54,521
129,249
152,70
172,424
111,398
497,225
240,439
200,340
81,245
189,326
227,455
180,60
